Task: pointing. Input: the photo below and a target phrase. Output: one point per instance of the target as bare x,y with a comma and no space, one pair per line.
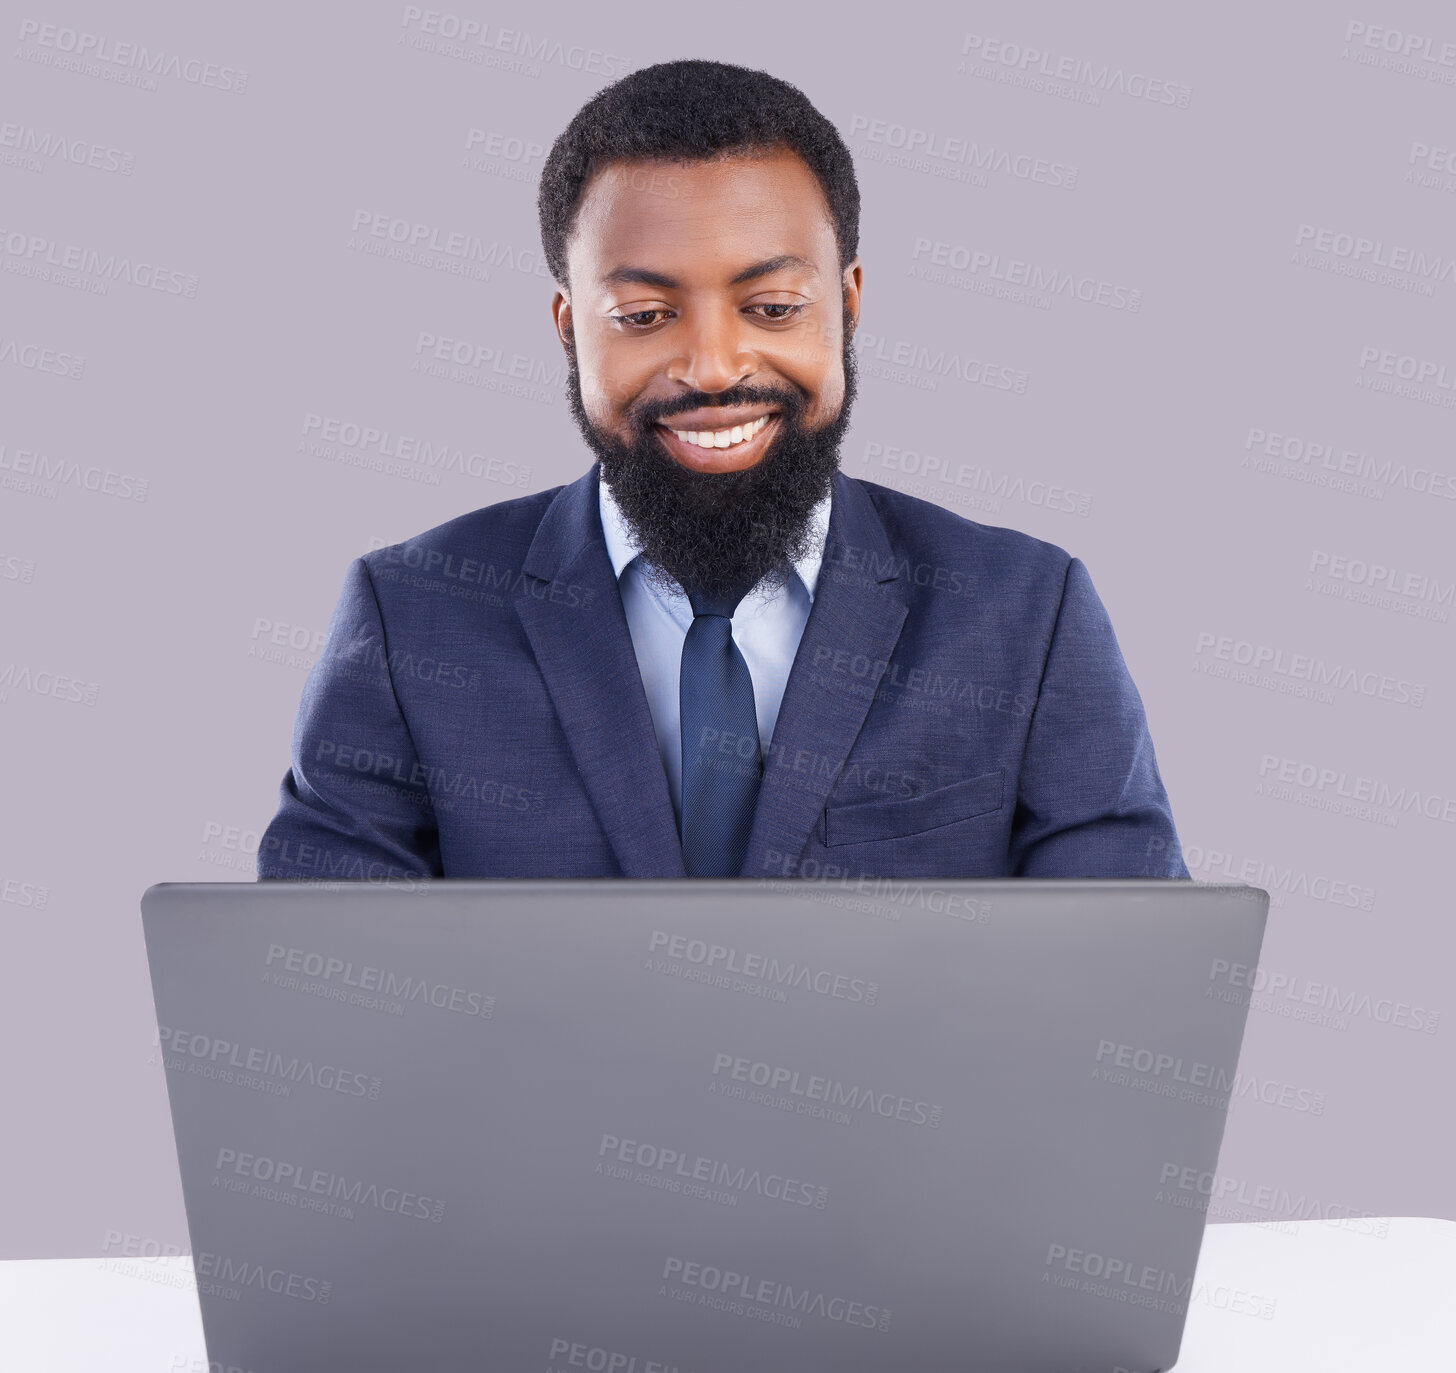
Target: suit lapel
859,607
585,653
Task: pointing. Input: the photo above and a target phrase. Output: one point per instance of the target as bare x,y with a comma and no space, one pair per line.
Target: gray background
187,519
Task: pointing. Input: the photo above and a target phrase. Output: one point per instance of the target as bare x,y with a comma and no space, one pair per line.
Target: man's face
660,336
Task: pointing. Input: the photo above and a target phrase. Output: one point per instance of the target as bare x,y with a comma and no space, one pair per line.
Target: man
715,654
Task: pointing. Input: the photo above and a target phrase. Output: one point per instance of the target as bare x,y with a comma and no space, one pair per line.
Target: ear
561,320
853,275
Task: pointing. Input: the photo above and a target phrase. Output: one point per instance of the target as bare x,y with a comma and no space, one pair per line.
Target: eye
790,311
635,315
638,321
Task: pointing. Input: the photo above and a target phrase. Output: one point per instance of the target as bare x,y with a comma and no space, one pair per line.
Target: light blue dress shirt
766,627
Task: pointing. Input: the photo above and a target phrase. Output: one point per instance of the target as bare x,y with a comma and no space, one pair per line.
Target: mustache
660,412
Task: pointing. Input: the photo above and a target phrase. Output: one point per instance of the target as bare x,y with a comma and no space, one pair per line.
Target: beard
719,532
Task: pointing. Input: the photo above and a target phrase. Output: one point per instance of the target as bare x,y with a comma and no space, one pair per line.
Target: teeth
722,438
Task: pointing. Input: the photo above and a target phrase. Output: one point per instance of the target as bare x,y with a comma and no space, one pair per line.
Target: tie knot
718,603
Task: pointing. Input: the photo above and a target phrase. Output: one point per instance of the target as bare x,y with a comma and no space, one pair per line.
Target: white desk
1345,1301
1316,1295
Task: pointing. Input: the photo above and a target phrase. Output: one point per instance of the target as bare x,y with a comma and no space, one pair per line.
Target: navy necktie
722,764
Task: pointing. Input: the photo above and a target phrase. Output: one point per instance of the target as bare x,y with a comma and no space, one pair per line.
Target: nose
713,351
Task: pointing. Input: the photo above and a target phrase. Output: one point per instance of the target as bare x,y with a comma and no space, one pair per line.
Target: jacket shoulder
924,529
504,529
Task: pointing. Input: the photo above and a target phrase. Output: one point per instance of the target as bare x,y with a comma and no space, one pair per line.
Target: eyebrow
621,276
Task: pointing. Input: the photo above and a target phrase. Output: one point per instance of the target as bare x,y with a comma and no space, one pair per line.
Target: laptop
699,1125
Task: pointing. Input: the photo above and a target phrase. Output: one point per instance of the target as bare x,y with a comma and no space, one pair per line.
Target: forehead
700,222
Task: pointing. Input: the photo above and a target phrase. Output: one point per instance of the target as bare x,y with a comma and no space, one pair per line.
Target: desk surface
1327,1295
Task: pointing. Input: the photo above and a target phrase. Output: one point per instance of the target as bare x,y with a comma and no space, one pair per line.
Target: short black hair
692,110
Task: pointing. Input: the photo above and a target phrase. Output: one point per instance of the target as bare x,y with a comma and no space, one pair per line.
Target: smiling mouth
710,450
710,440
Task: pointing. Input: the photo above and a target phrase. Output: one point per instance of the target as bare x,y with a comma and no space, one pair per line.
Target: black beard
720,531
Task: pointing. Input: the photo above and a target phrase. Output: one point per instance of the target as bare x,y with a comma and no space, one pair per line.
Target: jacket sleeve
355,804
1091,802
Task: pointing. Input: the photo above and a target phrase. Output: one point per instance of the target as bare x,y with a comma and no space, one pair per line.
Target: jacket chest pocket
860,822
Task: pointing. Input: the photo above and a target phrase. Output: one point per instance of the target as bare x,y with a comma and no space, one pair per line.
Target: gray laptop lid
698,1125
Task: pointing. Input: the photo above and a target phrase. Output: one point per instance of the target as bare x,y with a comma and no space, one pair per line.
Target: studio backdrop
1171,288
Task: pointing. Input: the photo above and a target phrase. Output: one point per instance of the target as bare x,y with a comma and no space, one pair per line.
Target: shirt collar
622,548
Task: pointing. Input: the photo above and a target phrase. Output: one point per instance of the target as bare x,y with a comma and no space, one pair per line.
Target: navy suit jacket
958,707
